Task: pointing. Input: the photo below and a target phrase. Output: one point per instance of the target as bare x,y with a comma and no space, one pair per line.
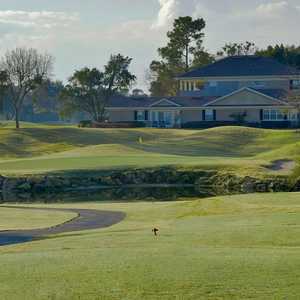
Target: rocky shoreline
208,182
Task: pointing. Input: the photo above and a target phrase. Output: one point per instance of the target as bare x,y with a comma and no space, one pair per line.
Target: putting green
41,149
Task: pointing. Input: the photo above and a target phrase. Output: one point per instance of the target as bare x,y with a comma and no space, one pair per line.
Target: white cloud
41,19
273,9
76,43
168,11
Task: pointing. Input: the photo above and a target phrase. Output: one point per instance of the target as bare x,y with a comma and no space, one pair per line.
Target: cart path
86,219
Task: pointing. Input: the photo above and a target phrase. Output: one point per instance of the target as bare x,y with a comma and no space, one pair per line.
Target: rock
261,188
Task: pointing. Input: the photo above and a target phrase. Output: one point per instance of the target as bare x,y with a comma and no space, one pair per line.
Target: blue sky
84,33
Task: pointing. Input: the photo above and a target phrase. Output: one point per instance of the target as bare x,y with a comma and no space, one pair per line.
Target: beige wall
195,115
253,114
191,116
246,98
125,115
222,114
121,116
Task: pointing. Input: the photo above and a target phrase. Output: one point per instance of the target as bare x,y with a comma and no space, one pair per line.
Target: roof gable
164,103
247,97
237,66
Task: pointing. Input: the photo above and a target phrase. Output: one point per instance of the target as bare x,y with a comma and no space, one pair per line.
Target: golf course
46,149
225,247
235,247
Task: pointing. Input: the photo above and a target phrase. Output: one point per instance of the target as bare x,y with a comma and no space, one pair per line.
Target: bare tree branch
26,70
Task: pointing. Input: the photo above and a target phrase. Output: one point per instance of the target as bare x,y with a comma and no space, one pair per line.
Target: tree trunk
17,118
1,108
187,58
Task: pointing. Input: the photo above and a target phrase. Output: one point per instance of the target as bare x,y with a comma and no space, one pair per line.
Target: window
182,85
266,115
192,86
293,116
187,86
140,115
273,115
209,115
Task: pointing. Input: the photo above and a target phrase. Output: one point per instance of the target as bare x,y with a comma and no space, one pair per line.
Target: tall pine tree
183,52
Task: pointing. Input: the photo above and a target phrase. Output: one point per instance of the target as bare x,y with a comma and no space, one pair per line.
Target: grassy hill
238,247
45,148
20,219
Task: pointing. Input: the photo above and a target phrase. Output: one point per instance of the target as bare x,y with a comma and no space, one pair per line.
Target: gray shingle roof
147,102
279,94
236,66
144,102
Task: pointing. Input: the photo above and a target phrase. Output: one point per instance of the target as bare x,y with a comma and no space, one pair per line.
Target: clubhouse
240,89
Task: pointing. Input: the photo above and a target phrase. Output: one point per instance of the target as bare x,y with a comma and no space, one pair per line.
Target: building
238,89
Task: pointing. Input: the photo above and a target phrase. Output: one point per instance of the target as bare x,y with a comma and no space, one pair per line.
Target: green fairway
13,219
44,148
235,247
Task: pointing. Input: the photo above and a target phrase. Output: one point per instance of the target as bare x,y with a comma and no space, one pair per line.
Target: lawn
14,219
45,148
233,247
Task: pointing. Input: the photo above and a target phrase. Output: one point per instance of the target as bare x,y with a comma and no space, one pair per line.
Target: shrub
85,124
205,125
119,125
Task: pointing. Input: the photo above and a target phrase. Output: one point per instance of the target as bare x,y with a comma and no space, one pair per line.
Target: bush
91,124
119,125
212,124
276,124
205,125
85,124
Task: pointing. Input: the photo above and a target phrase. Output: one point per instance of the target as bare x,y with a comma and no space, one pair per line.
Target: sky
85,33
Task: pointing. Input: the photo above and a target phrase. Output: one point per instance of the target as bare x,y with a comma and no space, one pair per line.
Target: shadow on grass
223,143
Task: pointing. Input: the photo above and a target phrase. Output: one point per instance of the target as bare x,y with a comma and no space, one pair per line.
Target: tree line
25,74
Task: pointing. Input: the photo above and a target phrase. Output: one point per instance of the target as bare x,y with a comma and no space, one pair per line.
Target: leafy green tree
162,79
184,41
89,90
184,51
289,55
26,69
202,58
238,49
46,97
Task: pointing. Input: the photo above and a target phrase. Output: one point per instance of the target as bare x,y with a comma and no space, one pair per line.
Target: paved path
86,219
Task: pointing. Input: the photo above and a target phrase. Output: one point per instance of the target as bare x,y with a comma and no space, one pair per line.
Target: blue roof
236,66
